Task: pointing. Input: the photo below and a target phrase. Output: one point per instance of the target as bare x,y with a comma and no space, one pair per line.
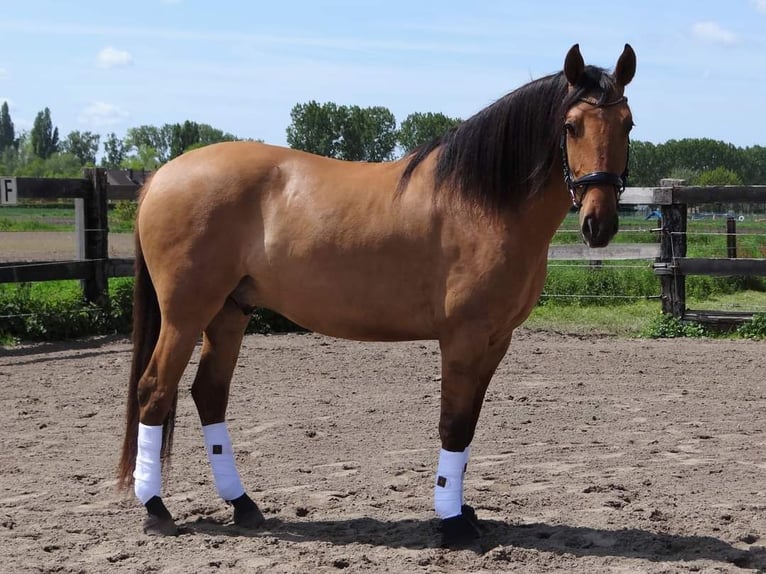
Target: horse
448,243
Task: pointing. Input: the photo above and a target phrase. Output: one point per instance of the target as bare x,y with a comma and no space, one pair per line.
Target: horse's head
594,143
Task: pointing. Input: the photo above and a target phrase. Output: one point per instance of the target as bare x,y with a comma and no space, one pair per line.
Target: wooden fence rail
98,186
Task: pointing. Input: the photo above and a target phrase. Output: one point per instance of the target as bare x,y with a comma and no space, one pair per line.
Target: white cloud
101,114
760,6
714,33
112,58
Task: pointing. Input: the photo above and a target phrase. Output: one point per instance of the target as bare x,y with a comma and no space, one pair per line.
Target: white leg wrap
148,473
221,457
448,491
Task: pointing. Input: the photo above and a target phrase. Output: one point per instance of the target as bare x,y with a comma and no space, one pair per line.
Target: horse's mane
505,153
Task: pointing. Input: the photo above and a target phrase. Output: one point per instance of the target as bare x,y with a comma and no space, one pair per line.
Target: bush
755,329
123,216
56,311
668,327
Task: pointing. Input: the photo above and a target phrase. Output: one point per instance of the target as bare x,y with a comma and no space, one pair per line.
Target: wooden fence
93,265
91,195
672,266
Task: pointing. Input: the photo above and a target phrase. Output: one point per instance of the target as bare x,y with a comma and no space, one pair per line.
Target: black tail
146,330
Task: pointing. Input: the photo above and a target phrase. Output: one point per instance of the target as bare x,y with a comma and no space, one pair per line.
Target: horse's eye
569,128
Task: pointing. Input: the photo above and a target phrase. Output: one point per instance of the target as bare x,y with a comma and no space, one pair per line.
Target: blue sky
241,65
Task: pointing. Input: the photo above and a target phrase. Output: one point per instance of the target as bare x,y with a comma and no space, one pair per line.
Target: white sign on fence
8,195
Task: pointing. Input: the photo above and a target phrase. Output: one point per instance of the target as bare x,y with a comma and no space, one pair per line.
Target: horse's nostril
589,228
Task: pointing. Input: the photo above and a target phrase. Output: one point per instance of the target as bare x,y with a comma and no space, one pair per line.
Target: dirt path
593,455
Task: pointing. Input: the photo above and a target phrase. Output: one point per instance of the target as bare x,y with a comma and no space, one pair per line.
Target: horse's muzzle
597,232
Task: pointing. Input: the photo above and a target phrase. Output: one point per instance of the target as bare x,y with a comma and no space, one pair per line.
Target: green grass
36,219
61,217
628,320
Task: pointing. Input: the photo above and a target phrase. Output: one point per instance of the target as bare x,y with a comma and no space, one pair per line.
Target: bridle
595,177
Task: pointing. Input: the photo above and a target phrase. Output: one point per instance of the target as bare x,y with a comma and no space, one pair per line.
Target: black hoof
462,530
246,512
159,522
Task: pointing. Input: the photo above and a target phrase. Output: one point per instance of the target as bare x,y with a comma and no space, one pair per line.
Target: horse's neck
543,214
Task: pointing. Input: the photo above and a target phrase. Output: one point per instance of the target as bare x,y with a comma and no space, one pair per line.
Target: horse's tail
146,330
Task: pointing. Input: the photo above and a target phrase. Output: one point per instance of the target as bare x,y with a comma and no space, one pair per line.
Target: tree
183,136
366,134
315,128
143,158
44,137
344,132
7,133
718,176
149,137
114,152
419,128
82,145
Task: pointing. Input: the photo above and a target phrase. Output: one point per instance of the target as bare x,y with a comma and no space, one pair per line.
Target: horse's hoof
460,531
159,522
246,512
159,526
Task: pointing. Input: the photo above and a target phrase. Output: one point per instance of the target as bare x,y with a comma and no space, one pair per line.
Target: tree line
339,131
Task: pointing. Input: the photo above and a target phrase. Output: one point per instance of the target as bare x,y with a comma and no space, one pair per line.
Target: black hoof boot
462,530
246,512
159,522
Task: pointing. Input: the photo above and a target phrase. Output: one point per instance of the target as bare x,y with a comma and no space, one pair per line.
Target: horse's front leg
468,364
210,391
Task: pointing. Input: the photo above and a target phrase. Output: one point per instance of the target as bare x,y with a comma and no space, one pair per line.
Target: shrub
668,327
754,329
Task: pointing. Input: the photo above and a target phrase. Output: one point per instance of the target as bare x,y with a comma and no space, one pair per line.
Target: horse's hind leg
210,391
157,392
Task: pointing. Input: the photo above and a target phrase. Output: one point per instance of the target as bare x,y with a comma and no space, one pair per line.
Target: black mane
505,153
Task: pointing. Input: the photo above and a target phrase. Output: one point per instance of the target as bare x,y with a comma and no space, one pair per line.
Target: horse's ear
626,66
574,65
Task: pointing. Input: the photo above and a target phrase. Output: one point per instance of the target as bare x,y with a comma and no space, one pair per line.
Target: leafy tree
315,128
419,128
182,136
149,137
44,137
366,134
210,135
754,165
114,152
718,176
344,132
145,157
82,145
7,133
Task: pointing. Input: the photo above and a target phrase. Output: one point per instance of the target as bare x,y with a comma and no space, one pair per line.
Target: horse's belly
365,314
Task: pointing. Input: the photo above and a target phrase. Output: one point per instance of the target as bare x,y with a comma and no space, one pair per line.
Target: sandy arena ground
593,455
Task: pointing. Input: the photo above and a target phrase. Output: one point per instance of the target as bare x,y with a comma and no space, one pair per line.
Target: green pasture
61,217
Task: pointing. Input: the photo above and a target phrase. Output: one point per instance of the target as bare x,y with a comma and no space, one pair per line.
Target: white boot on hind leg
147,476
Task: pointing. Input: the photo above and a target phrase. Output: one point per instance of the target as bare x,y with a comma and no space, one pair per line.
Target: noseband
595,177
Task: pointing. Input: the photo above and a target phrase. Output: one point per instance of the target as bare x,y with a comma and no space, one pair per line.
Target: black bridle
597,177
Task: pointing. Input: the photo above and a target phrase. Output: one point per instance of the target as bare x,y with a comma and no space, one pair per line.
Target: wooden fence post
731,237
96,287
673,245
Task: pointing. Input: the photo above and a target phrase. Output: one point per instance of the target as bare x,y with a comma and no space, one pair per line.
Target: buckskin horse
448,243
